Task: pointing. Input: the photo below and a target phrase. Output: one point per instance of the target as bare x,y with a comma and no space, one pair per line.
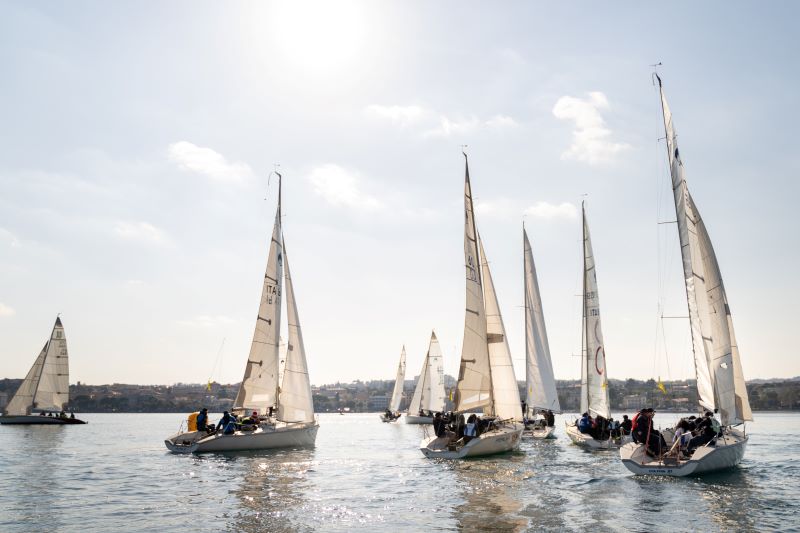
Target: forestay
541,383
260,383
505,393
295,403
397,393
595,387
474,380
720,381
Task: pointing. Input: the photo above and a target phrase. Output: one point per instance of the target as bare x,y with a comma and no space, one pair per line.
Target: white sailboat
393,413
486,377
45,390
594,376
541,392
720,382
285,403
429,393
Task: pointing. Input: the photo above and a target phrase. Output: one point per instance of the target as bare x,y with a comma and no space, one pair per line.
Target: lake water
115,474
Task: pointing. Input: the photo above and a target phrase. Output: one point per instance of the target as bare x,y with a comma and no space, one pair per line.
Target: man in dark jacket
645,433
626,425
705,432
439,425
202,420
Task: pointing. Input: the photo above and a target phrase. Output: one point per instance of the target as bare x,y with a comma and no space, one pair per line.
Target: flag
209,385
661,386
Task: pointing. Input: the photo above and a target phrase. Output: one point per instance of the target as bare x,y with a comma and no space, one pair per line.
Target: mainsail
474,375
594,386
541,383
429,392
397,393
46,386
259,386
505,393
295,402
720,381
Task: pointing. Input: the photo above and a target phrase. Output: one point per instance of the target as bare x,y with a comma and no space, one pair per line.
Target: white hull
500,440
546,432
727,452
40,420
414,419
586,441
264,437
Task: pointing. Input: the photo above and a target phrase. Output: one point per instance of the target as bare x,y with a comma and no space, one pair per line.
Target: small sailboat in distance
45,390
486,376
594,373
393,411
429,393
718,368
541,397
284,404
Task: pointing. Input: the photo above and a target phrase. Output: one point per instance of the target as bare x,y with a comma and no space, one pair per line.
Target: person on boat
225,420
255,418
626,425
585,423
71,415
600,428
549,418
682,436
41,413
471,429
202,420
439,425
706,431
644,433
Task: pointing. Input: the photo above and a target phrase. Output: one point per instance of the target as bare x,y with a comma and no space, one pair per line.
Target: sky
137,141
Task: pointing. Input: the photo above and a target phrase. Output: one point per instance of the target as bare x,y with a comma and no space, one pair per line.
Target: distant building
634,402
378,403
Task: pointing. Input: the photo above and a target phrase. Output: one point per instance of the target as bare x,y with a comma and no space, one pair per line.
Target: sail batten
720,382
540,381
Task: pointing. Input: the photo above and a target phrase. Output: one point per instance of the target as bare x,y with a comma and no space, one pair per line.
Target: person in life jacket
626,425
644,433
202,420
708,428
226,419
585,423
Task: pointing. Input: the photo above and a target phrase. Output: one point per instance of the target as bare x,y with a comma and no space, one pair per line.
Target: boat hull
546,432
40,420
726,453
415,419
586,441
387,419
500,440
264,438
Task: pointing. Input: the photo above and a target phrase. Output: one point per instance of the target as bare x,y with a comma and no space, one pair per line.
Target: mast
584,338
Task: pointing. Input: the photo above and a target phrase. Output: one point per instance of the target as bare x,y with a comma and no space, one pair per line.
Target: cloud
340,188
10,238
550,211
401,115
496,208
206,161
501,121
206,321
6,310
591,142
140,231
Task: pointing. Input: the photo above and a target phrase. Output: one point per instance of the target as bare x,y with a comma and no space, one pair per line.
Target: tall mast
584,333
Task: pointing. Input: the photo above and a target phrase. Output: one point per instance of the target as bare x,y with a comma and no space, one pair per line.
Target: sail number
271,292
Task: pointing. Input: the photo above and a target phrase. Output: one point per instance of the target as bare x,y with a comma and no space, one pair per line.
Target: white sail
720,381
46,386
429,393
259,386
541,383
505,392
474,375
594,356
295,403
397,392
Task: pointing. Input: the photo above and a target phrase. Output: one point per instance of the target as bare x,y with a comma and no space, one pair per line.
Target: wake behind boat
718,368
283,399
45,389
486,377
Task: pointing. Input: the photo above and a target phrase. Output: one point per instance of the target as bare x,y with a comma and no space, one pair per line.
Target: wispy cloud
6,310
140,231
398,114
8,237
434,124
591,139
551,211
208,162
206,321
339,187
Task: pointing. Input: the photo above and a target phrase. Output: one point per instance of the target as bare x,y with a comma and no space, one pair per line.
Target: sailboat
540,382
486,376
284,402
594,376
429,393
45,390
720,381
393,412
